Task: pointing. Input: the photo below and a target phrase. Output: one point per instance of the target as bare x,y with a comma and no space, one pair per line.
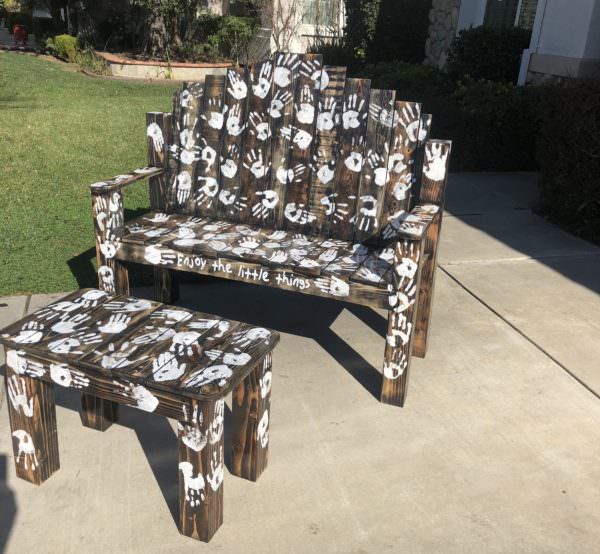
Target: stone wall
443,21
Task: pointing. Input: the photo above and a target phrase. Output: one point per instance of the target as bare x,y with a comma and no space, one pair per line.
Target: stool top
160,346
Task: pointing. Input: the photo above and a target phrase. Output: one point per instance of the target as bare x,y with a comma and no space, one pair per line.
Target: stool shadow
8,505
158,441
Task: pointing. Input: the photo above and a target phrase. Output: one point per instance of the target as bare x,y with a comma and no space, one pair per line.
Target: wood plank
341,205
106,387
296,181
376,268
401,319
328,286
212,120
118,182
401,161
256,166
285,81
186,149
373,177
201,471
231,201
329,119
251,419
32,415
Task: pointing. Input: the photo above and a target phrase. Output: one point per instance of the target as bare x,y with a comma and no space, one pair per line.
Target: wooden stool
163,359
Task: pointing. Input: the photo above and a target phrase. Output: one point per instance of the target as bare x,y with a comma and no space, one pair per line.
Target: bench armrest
412,225
120,181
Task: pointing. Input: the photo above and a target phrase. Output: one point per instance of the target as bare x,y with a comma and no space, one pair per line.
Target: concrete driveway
496,450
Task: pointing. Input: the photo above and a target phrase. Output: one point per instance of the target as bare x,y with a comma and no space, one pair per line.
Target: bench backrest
290,144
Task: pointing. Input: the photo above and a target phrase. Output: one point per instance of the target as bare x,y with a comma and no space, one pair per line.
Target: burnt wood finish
341,204
301,179
374,174
158,358
296,180
285,86
98,413
158,133
251,413
401,321
433,187
201,470
231,200
32,422
329,119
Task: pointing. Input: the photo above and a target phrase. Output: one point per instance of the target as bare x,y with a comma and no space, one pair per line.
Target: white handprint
17,361
233,121
333,285
265,383
68,324
193,486
278,256
107,278
31,333
260,126
305,112
184,341
435,162
312,69
217,112
155,133
297,214
155,255
393,370
26,448
367,213
237,88
263,84
153,334
326,172
256,165
410,119
339,210
192,435
215,477
17,393
354,162
219,373
66,377
143,398
171,316
278,103
229,165
383,115
377,164
184,186
266,204
327,118
166,367
207,192
354,113
262,430
217,425
230,199
115,324
286,63
401,330
208,155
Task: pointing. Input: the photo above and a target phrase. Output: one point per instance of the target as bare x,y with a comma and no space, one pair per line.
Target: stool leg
32,415
98,413
201,470
250,434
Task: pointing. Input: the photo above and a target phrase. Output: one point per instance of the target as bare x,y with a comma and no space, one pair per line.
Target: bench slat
186,150
342,203
285,78
256,159
374,174
231,202
207,183
329,120
302,141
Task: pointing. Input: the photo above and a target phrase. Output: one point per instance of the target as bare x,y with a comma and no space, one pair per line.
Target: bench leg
166,286
250,434
426,288
201,470
401,320
32,416
98,413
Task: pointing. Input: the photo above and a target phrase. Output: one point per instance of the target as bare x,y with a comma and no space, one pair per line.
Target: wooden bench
287,174
170,361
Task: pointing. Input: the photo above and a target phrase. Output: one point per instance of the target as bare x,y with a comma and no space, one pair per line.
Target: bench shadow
8,505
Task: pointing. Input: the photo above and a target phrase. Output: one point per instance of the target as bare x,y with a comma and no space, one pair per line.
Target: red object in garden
20,34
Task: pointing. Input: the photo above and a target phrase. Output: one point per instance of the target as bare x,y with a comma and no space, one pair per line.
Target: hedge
568,154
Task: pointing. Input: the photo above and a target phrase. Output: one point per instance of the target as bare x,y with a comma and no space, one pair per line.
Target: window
526,15
321,13
501,13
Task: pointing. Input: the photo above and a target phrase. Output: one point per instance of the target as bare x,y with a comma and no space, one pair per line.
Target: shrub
569,156
334,53
361,20
488,53
89,60
493,125
65,47
235,36
43,28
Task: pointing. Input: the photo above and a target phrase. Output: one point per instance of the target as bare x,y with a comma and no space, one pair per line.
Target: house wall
472,13
565,41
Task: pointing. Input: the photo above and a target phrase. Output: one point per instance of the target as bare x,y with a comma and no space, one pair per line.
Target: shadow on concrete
8,505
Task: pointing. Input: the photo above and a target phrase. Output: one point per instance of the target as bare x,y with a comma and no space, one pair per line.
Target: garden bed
122,66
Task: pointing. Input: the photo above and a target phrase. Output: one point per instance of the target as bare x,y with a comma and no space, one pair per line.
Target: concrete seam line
27,303
515,328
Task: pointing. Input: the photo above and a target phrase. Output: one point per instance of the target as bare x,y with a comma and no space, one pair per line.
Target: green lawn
59,132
